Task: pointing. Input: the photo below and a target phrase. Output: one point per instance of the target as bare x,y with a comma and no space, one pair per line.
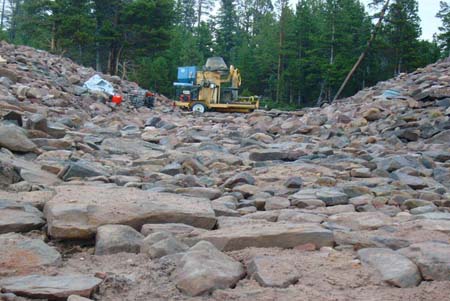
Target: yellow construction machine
215,88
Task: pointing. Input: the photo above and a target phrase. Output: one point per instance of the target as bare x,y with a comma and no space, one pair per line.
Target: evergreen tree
227,34
402,32
444,35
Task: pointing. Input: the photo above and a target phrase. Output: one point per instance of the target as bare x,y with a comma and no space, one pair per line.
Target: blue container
187,74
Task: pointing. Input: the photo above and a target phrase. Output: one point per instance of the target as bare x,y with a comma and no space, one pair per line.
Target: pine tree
444,35
227,34
403,32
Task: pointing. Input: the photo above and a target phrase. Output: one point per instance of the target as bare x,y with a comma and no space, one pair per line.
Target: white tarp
98,84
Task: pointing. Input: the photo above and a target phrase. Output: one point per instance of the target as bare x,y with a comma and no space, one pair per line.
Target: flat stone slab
20,254
16,217
34,198
268,235
269,271
393,267
77,211
29,171
50,287
361,220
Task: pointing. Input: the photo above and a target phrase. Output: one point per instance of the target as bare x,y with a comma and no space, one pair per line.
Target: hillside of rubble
103,202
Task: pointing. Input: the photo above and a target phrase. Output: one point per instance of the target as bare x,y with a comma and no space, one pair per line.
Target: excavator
214,88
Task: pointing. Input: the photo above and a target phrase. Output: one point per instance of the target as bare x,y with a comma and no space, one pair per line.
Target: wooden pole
363,55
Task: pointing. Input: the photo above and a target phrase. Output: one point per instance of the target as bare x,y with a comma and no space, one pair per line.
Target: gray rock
434,215
442,175
177,230
161,244
274,155
56,129
393,267
412,181
239,179
112,239
20,254
361,220
10,74
270,271
432,258
8,175
201,192
37,122
39,177
415,203
423,209
396,162
172,169
294,182
439,156
50,287
14,138
441,138
204,269
332,197
293,216
267,235
82,169
17,217
275,203
224,208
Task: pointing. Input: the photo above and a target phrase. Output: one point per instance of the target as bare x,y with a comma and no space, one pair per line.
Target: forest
291,54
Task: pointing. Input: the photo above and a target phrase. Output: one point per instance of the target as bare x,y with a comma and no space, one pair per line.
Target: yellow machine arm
234,76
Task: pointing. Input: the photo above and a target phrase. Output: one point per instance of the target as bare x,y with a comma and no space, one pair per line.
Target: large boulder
432,258
50,287
77,211
203,269
15,139
20,254
393,267
268,235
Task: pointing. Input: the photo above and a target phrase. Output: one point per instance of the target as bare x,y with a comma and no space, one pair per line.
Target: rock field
346,202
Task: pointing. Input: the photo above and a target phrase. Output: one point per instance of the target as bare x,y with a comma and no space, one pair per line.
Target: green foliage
296,55
444,36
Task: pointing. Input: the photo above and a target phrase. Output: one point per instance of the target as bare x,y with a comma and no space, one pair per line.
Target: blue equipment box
187,74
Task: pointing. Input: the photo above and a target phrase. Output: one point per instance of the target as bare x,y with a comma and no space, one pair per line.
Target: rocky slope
346,202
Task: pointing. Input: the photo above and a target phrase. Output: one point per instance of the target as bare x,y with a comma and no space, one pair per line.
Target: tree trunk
15,14
108,69
98,65
363,55
280,55
333,33
2,22
53,38
199,14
